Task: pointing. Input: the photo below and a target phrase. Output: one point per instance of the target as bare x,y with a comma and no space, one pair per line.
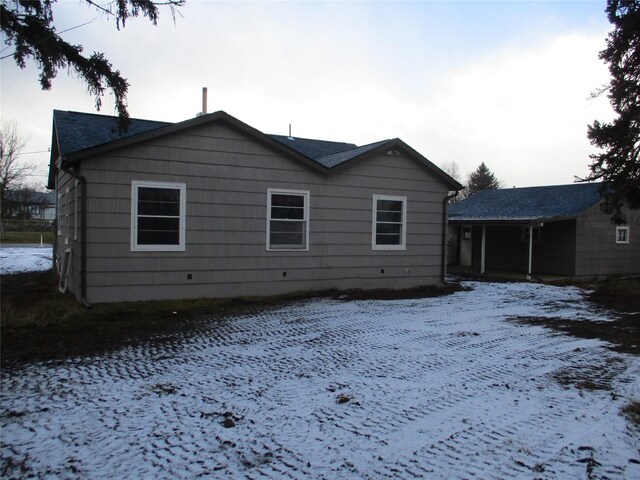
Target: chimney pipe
204,100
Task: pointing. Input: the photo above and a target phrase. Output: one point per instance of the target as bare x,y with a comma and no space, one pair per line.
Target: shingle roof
80,135
313,148
329,154
79,131
527,204
336,159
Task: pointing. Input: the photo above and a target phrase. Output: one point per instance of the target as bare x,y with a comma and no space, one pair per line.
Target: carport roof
529,204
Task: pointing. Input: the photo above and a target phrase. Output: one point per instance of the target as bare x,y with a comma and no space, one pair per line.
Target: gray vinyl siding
227,175
596,249
555,252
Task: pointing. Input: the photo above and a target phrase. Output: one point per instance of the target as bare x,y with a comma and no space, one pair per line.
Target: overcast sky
505,83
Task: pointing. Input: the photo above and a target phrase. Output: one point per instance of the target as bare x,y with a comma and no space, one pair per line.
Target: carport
528,230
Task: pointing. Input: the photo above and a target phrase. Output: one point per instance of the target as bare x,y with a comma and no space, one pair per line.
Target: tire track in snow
329,389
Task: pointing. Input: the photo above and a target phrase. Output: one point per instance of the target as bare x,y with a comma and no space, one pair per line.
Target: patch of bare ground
39,323
619,295
622,294
632,412
623,333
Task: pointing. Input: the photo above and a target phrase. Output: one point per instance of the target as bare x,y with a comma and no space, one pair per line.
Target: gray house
212,207
546,230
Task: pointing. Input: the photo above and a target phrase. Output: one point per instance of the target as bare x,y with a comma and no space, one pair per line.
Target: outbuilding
558,230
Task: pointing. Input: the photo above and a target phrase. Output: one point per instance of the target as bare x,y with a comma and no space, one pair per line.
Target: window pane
279,200
158,231
390,205
289,240
158,223
287,212
384,216
286,227
158,238
394,228
287,234
159,208
387,239
158,201
159,194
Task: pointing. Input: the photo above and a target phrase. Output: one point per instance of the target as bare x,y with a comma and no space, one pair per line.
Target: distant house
212,207
547,230
29,204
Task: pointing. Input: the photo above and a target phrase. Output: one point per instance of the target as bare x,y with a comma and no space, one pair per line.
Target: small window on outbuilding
622,234
466,233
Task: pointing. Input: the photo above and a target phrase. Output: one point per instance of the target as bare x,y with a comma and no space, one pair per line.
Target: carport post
482,248
530,251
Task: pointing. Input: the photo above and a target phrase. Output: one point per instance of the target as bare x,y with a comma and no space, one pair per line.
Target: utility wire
30,153
60,33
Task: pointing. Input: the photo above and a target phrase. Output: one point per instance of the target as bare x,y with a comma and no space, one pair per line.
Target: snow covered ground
25,259
444,387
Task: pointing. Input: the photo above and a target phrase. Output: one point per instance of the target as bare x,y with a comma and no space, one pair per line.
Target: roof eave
53,158
510,221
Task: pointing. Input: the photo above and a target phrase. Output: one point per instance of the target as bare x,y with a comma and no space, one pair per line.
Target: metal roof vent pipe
204,102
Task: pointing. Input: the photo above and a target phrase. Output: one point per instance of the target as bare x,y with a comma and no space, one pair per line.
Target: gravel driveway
443,387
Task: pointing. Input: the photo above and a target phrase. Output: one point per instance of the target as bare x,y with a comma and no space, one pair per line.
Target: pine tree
28,27
618,165
481,179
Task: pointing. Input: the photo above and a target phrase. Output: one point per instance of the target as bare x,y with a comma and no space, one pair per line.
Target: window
622,234
158,216
287,220
389,223
466,233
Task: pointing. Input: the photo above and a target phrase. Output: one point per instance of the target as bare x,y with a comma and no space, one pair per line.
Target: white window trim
307,199
626,229
135,184
374,226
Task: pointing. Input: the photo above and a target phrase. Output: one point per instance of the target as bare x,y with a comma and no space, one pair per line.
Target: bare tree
13,173
452,169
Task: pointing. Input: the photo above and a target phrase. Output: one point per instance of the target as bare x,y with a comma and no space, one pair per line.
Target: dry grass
38,322
632,412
